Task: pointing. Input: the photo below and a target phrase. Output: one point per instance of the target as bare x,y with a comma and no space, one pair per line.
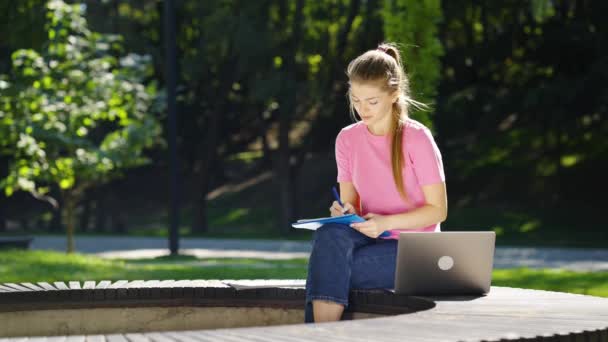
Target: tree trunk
69,205
287,109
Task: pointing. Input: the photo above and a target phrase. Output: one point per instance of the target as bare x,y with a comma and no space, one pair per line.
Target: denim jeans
343,259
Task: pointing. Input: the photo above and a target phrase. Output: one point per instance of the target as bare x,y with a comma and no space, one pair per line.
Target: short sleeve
343,158
426,157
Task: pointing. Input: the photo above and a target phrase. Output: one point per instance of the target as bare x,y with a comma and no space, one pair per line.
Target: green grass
588,283
34,266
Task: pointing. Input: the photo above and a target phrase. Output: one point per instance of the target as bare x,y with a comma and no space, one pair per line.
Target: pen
337,197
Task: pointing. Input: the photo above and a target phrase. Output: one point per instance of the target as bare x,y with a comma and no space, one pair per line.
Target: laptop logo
445,263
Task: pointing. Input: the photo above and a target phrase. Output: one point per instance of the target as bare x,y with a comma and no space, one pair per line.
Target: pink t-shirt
365,160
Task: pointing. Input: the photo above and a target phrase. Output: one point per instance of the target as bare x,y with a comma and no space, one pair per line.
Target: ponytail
384,65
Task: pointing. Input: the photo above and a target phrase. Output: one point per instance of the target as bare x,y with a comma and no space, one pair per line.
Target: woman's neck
380,128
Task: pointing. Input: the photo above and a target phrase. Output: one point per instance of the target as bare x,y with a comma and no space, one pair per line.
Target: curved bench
163,310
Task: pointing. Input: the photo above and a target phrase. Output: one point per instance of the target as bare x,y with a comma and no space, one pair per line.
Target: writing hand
337,210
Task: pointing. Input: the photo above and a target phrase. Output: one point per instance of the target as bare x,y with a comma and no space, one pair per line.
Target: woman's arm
434,211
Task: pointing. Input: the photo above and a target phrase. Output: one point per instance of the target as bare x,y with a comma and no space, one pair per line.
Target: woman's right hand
337,210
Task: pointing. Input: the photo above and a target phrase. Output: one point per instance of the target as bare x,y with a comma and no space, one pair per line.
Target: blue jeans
343,259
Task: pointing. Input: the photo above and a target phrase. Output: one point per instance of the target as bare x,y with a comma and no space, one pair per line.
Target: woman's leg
373,265
326,311
328,282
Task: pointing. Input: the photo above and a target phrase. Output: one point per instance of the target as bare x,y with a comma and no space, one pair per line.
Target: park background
517,91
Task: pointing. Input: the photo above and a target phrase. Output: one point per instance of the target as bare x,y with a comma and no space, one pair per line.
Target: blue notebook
315,223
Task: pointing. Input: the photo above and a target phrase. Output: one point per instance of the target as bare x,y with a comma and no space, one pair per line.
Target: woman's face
374,106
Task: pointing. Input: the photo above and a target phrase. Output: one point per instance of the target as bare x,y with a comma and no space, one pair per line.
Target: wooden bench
177,310
15,242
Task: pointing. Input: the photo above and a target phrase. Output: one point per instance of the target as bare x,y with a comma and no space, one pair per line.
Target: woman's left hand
373,227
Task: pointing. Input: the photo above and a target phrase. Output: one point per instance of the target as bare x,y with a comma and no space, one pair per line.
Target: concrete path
149,247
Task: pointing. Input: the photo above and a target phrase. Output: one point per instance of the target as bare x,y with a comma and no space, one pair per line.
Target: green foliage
519,99
77,113
414,25
522,106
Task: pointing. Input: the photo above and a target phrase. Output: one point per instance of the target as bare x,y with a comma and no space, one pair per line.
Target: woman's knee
333,231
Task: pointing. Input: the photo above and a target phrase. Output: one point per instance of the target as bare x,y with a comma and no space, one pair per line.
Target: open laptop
444,263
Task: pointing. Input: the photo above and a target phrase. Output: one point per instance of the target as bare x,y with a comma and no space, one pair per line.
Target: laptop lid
444,263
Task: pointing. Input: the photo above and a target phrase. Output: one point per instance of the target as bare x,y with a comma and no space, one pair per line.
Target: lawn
36,266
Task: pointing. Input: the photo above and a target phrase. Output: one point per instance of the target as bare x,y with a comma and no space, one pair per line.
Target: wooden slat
55,339
135,284
166,283
180,336
151,283
37,339
215,283
187,283
182,283
88,285
137,338
61,285
198,283
75,285
190,336
116,338
118,284
7,289
75,338
17,287
103,284
95,338
159,337
32,287
47,286
227,336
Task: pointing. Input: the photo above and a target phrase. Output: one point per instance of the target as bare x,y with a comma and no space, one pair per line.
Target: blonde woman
390,172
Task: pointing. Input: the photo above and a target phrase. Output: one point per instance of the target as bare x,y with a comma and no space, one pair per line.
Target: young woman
390,172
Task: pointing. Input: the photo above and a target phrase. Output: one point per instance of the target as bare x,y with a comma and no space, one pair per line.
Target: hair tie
381,48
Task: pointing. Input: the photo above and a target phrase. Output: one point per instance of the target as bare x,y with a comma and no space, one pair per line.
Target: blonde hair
383,67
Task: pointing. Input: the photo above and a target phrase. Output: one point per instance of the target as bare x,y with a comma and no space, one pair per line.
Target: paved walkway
149,247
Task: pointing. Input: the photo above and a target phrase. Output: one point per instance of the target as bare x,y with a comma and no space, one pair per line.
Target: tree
414,24
75,115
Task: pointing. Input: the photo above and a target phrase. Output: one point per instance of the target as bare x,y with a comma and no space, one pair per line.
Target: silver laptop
442,263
